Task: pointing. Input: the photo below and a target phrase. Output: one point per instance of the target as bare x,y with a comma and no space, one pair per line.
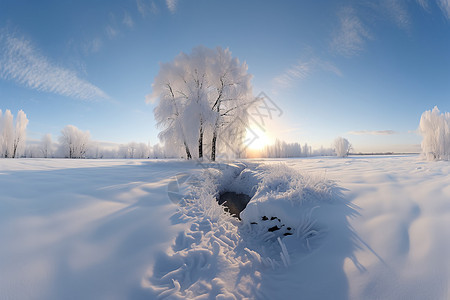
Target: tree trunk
14,151
213,145
188,153
216,126
200,143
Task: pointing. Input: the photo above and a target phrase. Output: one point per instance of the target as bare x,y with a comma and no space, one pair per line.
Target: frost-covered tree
46,146
32,151
435,129
342,147
281,149
20,134
7,134
134,150
202,96
229,100
74,142
1,134
323,152
12,137
143,150
158,151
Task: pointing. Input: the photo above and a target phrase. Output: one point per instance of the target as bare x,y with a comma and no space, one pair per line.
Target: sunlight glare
256,139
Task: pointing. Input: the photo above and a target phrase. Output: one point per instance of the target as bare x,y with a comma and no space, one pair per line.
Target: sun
256,138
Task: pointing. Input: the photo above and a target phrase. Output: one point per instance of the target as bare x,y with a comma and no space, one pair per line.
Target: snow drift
222,257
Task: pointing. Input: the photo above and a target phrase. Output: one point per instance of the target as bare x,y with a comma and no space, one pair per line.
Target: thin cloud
93,46
397,11
424,4
373,132
127,20
444,5
111,32
153,8
302,70
21,63
172,5
142,7
299,71
351,36
145,7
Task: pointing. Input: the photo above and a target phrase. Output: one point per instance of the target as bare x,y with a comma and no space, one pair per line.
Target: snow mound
285,200
222,257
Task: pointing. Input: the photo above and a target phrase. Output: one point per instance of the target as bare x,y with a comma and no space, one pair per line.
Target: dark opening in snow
234,202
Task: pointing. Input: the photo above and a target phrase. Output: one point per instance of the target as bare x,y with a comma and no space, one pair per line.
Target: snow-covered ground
321,228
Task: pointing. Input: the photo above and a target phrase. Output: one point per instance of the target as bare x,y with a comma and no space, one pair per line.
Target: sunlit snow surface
362,228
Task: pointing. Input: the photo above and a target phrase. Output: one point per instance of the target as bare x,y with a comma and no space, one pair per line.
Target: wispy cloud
396,10
111,31
303,69
172,5
351,36
21,62
299,71
444,5
127,20
146,7
372,132
424,4
92,46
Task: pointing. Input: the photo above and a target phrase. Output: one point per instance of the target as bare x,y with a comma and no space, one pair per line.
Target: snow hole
233,202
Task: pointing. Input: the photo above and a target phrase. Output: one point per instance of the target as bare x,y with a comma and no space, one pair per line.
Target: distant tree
158,151
281,149
342,147
7,134
95,150
12,138
306,150
46,146
1,134
74,142
134,150
143,150
435,129
202,94
20,134
33,151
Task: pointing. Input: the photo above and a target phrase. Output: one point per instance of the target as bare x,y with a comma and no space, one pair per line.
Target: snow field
362,228
82,229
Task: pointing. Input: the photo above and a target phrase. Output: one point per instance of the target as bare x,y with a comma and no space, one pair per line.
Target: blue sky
362,70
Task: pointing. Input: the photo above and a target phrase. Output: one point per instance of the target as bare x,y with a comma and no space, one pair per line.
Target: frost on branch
435,129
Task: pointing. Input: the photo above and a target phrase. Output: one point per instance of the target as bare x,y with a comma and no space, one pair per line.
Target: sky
363,70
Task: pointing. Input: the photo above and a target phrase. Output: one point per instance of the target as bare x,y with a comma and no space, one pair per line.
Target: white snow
363,227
